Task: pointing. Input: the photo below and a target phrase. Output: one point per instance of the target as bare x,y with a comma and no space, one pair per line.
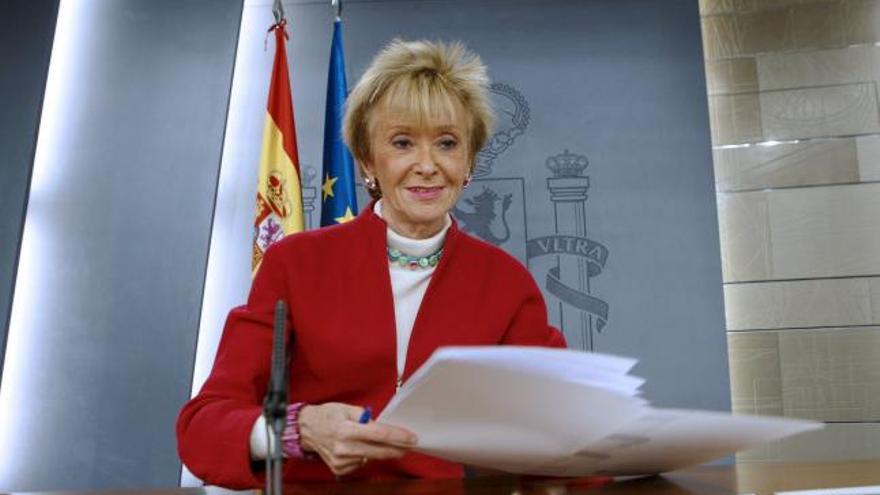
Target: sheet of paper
474,413
563,364
561,413
600,370
667,439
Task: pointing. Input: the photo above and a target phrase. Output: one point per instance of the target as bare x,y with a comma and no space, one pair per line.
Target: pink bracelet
290,440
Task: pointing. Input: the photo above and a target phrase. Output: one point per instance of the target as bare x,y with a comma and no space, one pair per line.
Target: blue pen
366,416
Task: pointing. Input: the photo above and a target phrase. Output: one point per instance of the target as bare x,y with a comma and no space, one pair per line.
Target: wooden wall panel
831,374
826,374
733,75
755,376
868,151
831,161
720,37
818,25
765,31
825,231
745,236
819,112
816,68
862,21
802,303
793,103
735,118
733,29
813,232
710,7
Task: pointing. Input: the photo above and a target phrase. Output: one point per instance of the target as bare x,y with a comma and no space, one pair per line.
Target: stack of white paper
563,413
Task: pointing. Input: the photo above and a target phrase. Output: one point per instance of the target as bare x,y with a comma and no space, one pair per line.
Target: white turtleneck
408,286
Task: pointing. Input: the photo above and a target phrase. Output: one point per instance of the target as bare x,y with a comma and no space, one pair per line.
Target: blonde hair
420,77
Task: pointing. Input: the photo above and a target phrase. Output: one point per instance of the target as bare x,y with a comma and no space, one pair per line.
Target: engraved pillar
568,191
309,194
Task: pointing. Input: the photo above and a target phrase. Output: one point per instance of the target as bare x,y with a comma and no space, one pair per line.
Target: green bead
413,262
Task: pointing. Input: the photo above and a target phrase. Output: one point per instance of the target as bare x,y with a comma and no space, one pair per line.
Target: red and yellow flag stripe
279,193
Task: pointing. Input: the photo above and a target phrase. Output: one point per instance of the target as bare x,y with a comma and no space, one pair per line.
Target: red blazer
336,283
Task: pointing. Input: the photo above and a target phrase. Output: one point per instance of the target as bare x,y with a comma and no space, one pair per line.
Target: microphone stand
275,404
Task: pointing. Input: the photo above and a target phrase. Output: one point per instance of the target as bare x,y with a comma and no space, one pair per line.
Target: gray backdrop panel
118,316
617,83
26,30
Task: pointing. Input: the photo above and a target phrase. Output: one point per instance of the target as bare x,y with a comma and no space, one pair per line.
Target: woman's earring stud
370,182
467,181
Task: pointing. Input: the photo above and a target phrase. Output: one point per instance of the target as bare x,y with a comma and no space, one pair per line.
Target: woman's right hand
332,431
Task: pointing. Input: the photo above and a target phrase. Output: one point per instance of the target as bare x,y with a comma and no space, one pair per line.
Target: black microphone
275,403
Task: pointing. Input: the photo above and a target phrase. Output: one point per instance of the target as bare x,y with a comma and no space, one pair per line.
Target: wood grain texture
751,27
862,21
825,231
868,152
735,118
825,374
799,221
755,376
815,232
831,374
735,75
745,236
720,37
831,161
818,25
802,303
714,7
787,70
819,112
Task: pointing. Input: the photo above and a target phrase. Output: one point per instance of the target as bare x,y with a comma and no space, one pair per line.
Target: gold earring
467,181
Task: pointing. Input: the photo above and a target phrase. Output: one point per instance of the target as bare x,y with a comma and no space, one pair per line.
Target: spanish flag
279,196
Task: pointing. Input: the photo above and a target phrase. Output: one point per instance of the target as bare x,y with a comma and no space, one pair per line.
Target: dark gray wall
122,235
26,30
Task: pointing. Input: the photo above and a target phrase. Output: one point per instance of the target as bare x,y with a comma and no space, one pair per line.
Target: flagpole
337,8
279,212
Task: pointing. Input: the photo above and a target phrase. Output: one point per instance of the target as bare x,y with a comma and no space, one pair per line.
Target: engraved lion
479,222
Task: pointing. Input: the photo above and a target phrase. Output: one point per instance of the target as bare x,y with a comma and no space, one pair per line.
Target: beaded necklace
414,262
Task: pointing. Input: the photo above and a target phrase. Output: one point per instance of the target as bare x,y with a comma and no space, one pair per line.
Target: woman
370,299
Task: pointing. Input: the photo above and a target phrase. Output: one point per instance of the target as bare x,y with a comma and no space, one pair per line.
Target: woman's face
420,168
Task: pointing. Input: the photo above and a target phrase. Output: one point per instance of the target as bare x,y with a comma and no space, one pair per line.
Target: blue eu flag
338,200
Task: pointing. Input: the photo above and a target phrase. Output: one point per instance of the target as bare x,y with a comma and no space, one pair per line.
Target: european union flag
338,200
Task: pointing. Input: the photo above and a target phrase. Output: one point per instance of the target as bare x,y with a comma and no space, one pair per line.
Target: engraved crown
567,164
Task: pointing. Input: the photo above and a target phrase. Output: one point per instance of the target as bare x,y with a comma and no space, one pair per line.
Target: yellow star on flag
346,217
327,187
